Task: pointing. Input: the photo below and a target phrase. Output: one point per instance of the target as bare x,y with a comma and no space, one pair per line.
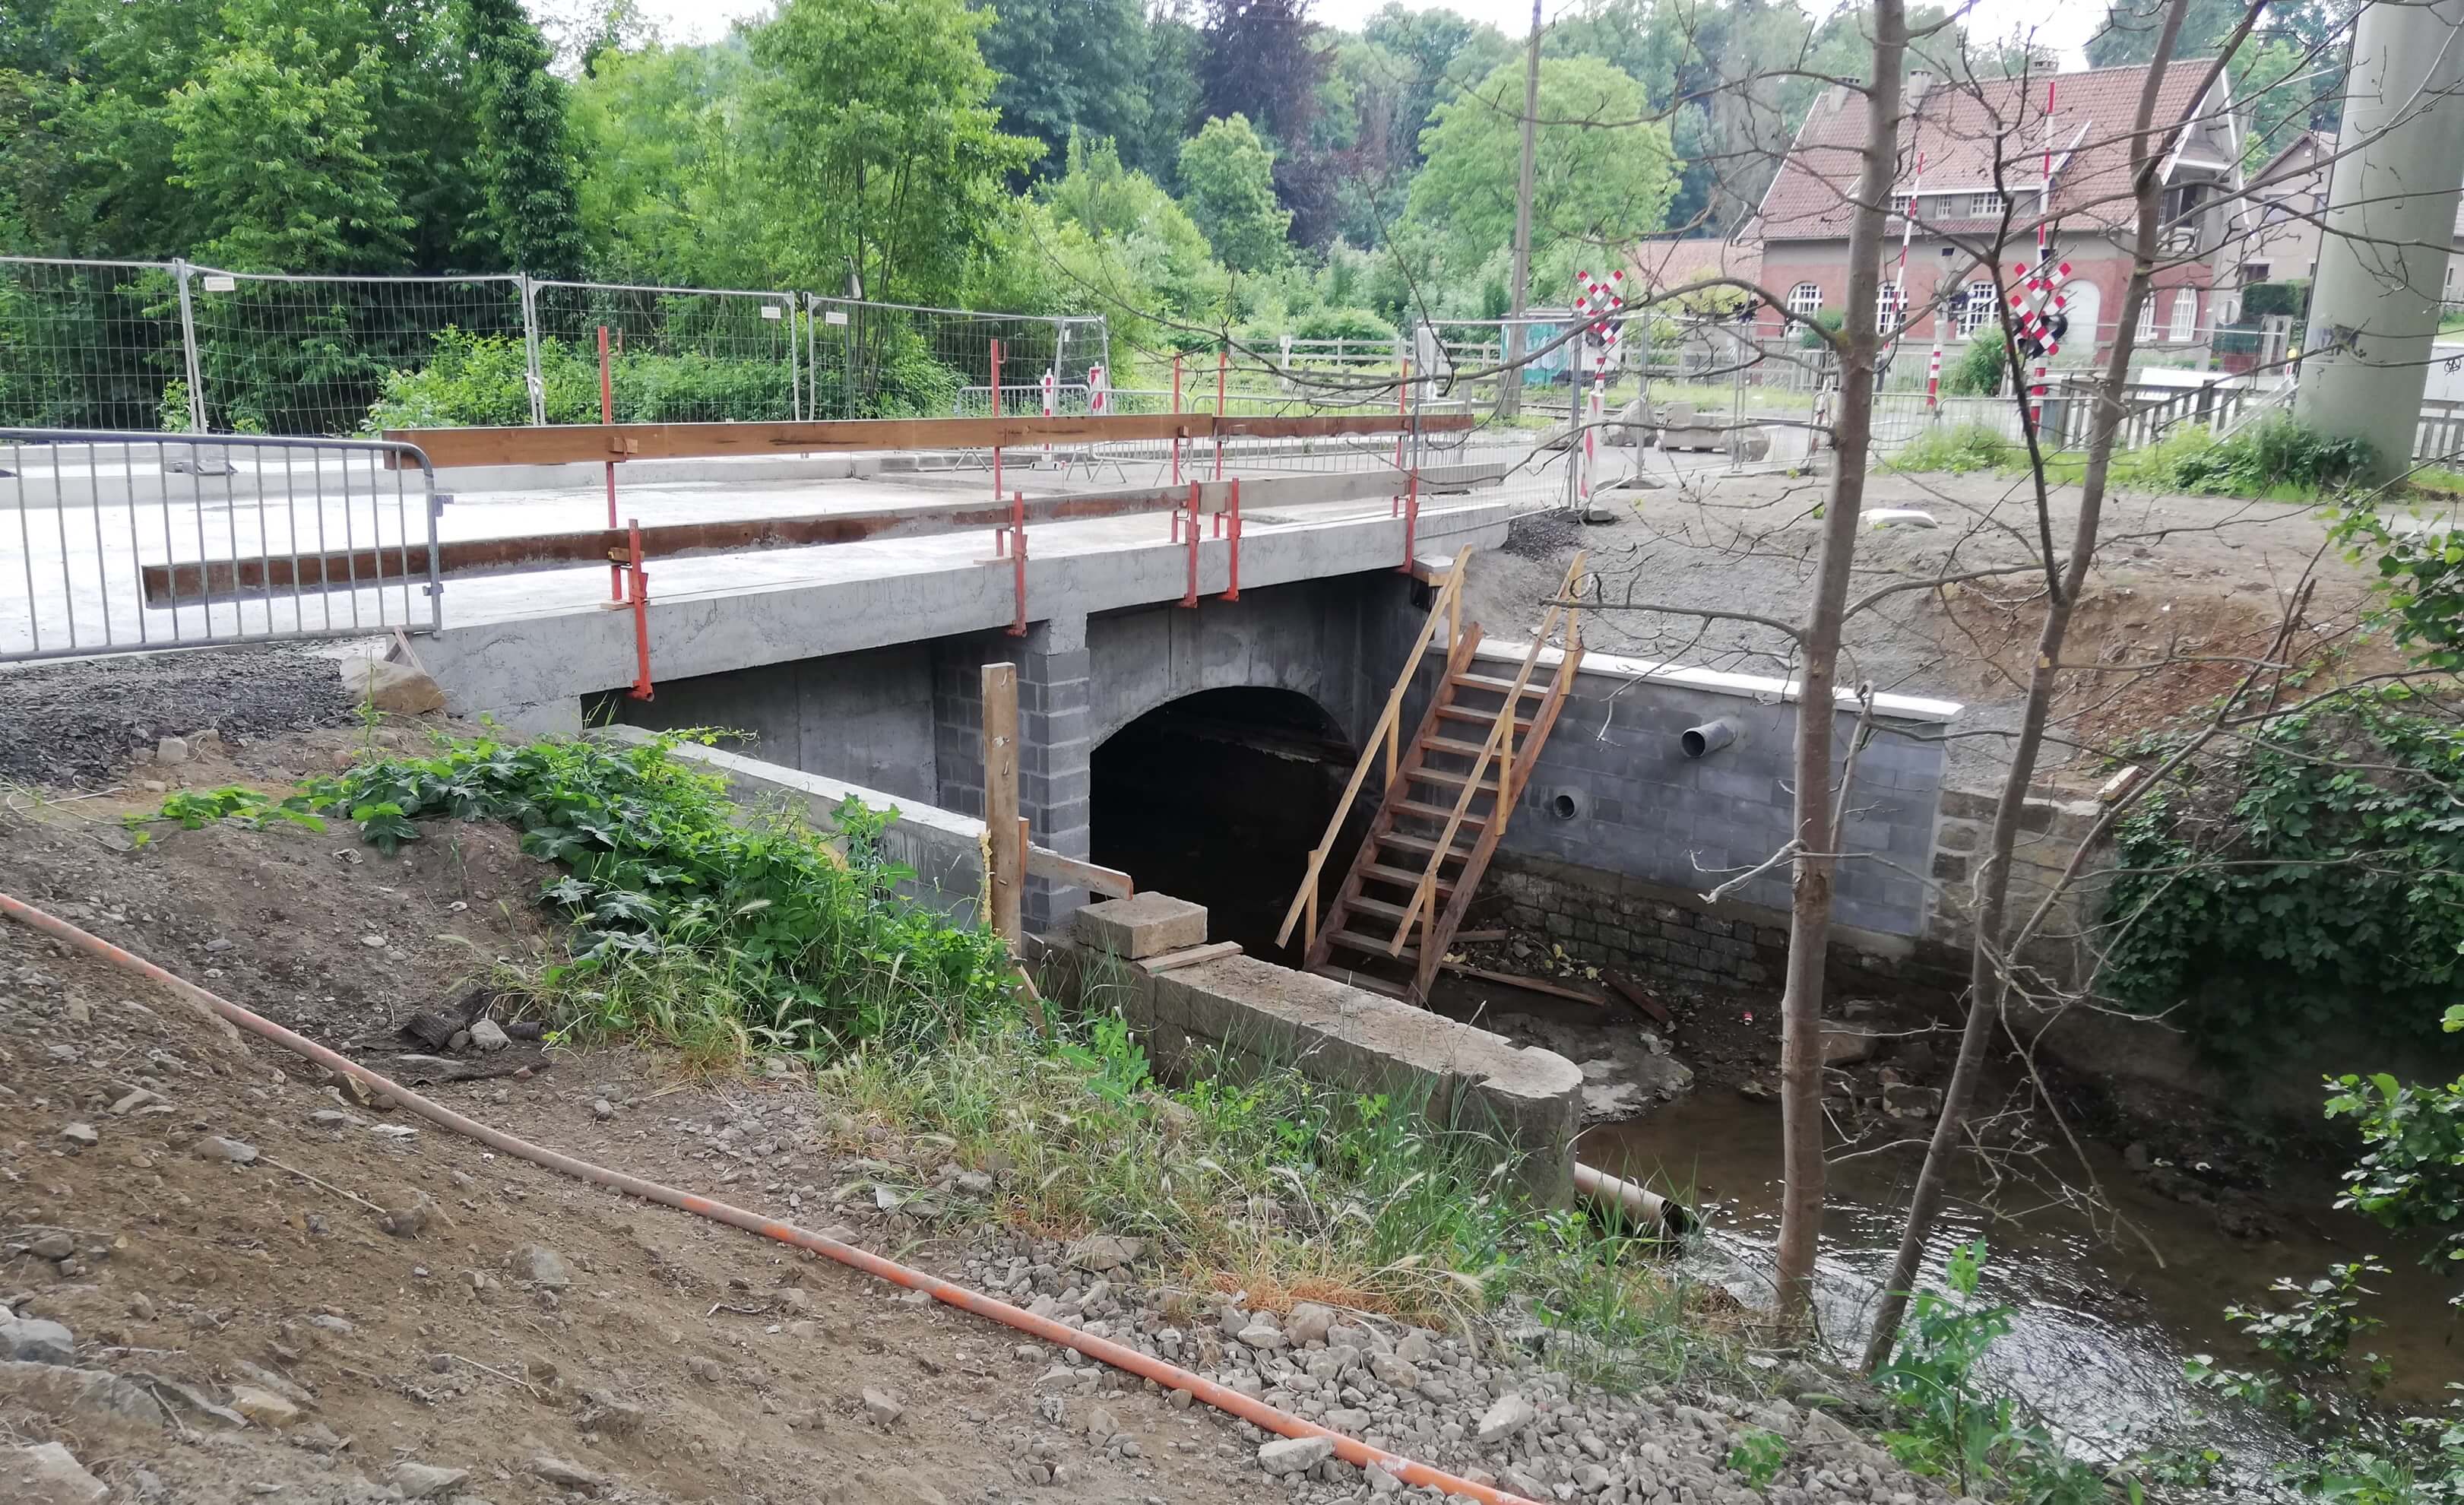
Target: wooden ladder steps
1373,946
1499,687
1458,713
1432,812
1400,877
1423,845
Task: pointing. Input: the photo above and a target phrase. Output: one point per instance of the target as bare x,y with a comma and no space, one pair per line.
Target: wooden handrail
1424,895
1382,738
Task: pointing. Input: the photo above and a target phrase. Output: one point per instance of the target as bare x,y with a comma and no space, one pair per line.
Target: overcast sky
2067,28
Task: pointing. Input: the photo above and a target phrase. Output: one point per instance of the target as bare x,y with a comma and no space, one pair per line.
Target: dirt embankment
2185,592
304,1296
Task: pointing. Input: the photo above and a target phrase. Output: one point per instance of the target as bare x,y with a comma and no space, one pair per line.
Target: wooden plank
1044,863
168,585
1006,880
1533,984
449,449
1633,993
1174,961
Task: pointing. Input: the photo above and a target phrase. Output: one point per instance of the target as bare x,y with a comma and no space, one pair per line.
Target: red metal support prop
1018,560
1234,593
1191,598
640,583
607,415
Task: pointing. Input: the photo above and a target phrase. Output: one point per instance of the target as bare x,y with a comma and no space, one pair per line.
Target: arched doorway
1217,798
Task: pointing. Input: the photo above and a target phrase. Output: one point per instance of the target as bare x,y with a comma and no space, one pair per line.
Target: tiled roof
1961,126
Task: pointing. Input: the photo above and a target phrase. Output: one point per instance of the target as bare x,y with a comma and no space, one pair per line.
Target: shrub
2276,453
482,380
1343,323
1831,320
1980,369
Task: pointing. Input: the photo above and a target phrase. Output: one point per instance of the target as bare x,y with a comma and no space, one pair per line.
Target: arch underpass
1218,797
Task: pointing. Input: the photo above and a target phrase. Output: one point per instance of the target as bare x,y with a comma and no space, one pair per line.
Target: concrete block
1149,924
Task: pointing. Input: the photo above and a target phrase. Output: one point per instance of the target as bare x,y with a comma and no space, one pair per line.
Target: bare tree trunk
1987,981
1809,924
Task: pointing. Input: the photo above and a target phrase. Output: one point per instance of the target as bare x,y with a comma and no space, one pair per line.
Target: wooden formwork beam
449,449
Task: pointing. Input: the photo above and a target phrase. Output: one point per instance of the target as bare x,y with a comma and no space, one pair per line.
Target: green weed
698,922
1758,1453
194,809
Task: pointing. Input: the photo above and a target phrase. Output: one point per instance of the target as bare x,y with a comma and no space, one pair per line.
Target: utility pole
2390,212
1509,393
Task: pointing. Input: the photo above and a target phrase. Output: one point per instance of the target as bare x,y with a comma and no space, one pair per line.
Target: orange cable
1120,1356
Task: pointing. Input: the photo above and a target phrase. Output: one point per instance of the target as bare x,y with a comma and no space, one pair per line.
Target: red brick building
1984,144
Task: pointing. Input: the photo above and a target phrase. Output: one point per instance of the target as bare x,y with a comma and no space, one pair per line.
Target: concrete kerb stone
1143,925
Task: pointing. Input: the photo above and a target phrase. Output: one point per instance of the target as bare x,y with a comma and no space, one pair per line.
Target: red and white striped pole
1907,232
2044,255
1051,389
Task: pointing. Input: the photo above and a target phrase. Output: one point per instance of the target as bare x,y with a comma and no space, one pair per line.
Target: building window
1902,204
1976,308
2147,318
1805,300
2253,273
2186,316
1987,205
1888,301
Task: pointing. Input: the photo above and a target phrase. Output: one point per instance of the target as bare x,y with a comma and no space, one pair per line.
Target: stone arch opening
1218,797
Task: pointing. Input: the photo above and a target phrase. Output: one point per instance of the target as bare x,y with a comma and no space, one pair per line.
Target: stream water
2107,1308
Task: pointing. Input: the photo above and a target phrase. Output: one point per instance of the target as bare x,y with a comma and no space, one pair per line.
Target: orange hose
1172,1377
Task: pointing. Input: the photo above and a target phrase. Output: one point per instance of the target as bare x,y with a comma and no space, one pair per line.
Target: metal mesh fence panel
90,344
333,355
115,542
676,355
896,361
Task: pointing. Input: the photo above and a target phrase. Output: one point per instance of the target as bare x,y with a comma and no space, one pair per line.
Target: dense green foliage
1981,367
796,938
2310,874
1591,182
526,163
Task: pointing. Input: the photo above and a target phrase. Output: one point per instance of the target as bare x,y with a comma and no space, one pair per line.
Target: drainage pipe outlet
1709,737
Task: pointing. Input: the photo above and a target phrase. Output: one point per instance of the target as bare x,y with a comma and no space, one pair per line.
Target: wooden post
1005,883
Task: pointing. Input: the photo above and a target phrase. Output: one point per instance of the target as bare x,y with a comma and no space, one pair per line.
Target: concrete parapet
1241,1015
945,851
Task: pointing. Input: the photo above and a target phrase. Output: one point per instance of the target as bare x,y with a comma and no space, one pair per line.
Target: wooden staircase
1448,795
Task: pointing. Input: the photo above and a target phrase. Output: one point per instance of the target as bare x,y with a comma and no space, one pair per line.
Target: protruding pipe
1640,1206
1709,737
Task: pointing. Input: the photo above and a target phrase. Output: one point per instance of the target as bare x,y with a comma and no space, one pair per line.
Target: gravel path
76,723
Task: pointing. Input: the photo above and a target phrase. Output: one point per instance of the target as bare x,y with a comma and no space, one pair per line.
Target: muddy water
2107,1308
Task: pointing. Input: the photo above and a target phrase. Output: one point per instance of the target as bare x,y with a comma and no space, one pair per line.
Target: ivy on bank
2309,875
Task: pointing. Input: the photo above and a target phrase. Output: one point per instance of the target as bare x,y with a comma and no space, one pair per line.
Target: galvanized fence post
531,376
180,270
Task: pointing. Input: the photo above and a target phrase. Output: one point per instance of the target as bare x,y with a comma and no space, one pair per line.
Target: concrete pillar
1056,774
2390,216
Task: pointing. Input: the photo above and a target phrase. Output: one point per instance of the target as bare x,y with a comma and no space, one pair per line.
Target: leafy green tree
1069,65
1604,173
1435,55
659,137
1227,178
526,162
876,145
271,143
